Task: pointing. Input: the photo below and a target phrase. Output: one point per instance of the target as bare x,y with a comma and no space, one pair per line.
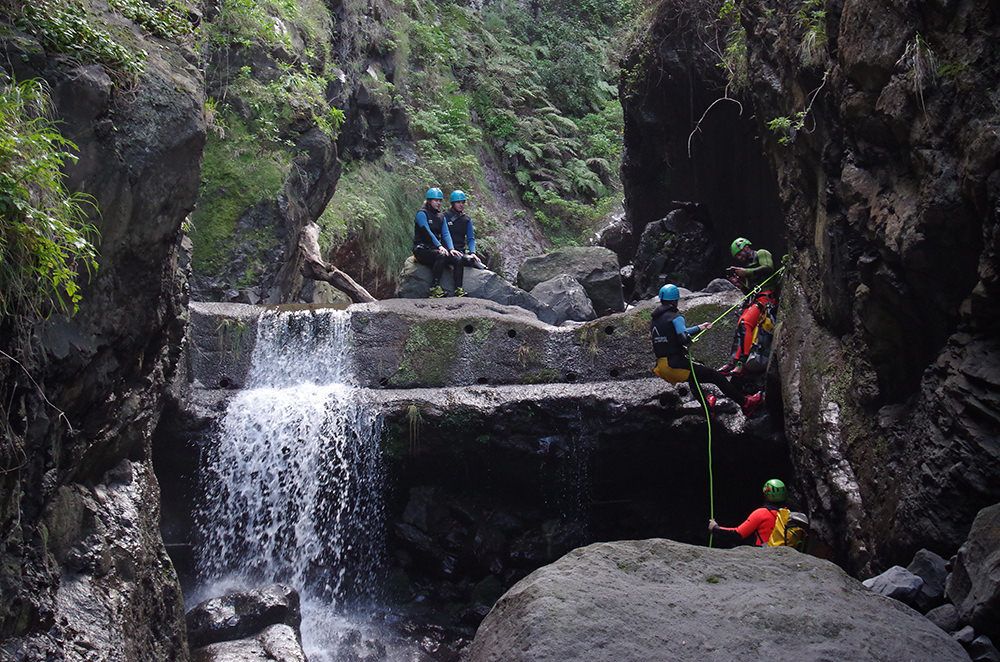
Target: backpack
763,334
790,530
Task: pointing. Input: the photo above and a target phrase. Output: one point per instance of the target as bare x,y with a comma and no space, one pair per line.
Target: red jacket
760,521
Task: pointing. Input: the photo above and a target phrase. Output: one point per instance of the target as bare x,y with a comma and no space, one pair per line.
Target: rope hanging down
701,396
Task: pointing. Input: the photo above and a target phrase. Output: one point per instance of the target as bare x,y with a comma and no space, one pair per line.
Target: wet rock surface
897,583
275,643
594,267
238,614
632,600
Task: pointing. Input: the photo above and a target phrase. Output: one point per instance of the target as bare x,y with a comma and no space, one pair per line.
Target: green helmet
738,244
774,491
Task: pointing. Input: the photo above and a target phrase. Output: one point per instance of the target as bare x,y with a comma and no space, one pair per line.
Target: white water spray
293,485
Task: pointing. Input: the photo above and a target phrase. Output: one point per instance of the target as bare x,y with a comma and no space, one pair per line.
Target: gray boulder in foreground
662,600
275,643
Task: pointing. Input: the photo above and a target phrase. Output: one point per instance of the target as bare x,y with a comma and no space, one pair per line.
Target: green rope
754,292
708,423
708,419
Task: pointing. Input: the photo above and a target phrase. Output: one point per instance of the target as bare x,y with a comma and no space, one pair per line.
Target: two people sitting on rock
757,266
772,524
671,337
445,239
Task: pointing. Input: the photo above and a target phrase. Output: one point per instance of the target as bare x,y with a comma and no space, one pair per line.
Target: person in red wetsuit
760,523
757,267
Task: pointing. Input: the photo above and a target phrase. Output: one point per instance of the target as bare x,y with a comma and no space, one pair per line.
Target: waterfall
292,486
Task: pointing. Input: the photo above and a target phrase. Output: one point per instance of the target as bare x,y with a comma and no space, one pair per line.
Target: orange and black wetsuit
759,523
759,270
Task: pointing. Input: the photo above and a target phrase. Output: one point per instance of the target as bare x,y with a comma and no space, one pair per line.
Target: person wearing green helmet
760,522
756,266
432,244
671,337
462,232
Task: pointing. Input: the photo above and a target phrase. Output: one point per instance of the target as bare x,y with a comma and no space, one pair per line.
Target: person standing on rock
432,245
760,522
671,337
756,267
463,234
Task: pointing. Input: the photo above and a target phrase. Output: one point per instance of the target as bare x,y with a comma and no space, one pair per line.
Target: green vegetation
65,26
238,172
812,19
256,117
45,237
734,53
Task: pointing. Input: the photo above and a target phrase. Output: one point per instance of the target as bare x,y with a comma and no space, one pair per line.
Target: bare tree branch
315,268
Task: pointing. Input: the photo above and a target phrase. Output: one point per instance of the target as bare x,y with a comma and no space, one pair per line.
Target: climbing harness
701,396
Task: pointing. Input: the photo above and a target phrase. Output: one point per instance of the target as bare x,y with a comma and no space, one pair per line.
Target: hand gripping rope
708,420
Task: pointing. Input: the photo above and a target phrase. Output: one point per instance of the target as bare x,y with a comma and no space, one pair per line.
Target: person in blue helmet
432,245
463,234
671,337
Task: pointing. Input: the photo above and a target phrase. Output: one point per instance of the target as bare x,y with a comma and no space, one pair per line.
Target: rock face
415,282
593,267
888,364
633,600
678,249
566,297
974,584
933,570
82,564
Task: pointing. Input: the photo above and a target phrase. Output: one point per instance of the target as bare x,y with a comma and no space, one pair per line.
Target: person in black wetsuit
463,234
671,337
432,245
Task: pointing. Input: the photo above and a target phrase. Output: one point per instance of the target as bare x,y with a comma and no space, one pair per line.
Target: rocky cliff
879,128
83,570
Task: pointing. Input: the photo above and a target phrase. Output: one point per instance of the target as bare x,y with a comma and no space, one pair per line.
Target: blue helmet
434,194
457,196
669,293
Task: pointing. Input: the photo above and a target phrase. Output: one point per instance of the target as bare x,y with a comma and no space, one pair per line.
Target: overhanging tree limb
315,268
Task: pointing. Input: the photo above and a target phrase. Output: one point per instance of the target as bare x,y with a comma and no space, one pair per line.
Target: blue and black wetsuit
671,336
463,234
430,231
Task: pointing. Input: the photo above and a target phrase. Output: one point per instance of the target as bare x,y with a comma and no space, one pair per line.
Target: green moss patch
429,354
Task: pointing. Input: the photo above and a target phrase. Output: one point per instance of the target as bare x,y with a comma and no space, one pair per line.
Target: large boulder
652,599
594,267
934,571
414,282
566,297
974,583
239,614
679,249
897,583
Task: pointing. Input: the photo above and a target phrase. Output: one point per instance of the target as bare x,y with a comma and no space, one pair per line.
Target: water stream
293,488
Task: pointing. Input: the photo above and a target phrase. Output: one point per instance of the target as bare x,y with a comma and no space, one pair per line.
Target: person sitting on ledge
463,234
432,245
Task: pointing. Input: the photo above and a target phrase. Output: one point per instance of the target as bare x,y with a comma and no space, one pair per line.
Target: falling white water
292,486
